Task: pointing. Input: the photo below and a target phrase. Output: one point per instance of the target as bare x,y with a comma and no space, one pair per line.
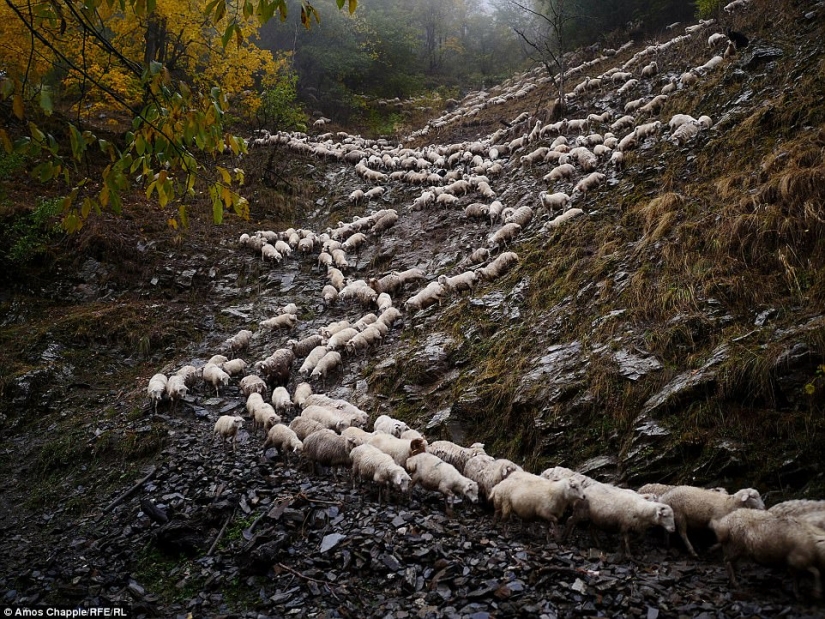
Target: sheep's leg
731,573
683,535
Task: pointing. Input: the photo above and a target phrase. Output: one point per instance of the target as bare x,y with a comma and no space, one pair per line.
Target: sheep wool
156,389
432,473
696,507
770,539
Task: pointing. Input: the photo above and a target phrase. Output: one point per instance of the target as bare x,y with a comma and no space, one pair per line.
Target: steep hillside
669,328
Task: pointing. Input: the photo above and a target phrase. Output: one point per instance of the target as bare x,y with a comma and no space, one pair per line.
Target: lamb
771,539
434,474
339,258
234,366
564,217
326,448
218,360
532,497
253,400
427,296
227,427
716,38
388,425
455,455
282,321
312,359
611,508
156,389
685,133
696,507
302,392
648,129
494,210
303,426
215,376
176,389
478,256
281,400
366,459
239,341
334,327
326,416
457,283
487,471
392,475
498,267
504,235
399,449
284,439
476,209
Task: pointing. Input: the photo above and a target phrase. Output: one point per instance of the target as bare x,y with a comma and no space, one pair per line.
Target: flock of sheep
330,432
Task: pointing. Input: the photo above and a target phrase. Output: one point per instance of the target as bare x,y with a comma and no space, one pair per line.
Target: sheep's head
470,490
749,497
417,446
664,517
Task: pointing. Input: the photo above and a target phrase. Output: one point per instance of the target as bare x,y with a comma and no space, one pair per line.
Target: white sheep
284,439
797,507
156,389
351,413
589,182
215,376
281,400
312,359
522,216
340,338
302,392
268,252
610,508
454,454
389,317
327,448
457,283
531,497
301,348
227,427
326,416
234,366
488,471
425,297
564,217
399,449
560,172
504,235
696,507
498,267
218,360
239,341
334,327
303,426
329,294
176,389
432,473
649,70
327,363
388,425
552,201
771,539
264,416
335,277
191,374
357,436
282,321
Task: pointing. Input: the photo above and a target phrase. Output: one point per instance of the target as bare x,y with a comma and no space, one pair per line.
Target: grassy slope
709,236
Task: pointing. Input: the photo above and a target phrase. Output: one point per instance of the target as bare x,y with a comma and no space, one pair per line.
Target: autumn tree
174,68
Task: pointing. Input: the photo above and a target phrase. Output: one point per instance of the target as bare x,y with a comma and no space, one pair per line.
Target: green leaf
17,106
155,67
6,87
183,215
46,102
228,33
77,142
